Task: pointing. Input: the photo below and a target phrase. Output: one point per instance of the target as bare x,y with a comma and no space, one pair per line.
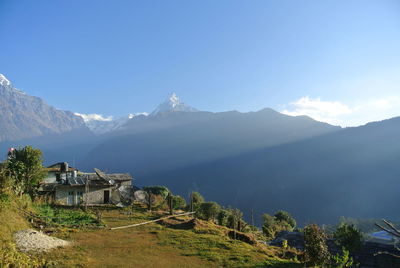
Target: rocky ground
32,240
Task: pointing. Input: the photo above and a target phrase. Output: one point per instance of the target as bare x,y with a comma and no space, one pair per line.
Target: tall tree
26,170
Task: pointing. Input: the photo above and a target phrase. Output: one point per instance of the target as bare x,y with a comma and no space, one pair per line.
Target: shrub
197,199
283,216
272,225
208,210
11,257
178,202
342,261
315,247
235,220
348,237
222,217
157,190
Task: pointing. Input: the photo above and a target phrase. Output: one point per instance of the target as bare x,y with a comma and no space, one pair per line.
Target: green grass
11,221
156,245
152,245
221,250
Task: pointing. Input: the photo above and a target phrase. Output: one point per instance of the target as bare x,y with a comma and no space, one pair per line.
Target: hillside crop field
158,245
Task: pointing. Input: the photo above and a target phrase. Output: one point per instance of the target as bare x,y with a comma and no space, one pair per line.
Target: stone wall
95,195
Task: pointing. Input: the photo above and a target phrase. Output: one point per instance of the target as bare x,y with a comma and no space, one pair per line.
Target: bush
348,237
157,190
222,217
178,202
342,261
283,216
11,257
315,247
208,210
281,221
235,220
197,199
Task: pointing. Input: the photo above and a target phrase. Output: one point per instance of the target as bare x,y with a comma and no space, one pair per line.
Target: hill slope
178,139
353,172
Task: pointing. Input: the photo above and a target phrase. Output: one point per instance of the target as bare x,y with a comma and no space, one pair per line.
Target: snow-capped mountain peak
172,104
4,81
94,117
100,124
130,116
174,100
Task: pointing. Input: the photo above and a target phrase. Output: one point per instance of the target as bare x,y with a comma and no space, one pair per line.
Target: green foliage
281,221
315,247
157,190
283,216
11,257
222,217
342,261
208,210
285,244
235,220
197,198
364,225
5,181
66,217
178,202
26,171
348,237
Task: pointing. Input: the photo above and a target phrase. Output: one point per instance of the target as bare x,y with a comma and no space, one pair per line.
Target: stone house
68,186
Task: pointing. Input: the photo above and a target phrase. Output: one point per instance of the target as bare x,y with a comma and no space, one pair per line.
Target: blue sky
337,61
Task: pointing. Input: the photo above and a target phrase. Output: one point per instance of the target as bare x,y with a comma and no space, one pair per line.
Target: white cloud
94,117
338,113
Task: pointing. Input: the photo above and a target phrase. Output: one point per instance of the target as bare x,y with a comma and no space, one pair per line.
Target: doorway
106,196
71,198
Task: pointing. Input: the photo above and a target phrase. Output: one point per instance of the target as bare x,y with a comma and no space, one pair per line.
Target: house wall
95,195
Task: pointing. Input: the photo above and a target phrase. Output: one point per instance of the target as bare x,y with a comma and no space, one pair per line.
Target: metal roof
79,180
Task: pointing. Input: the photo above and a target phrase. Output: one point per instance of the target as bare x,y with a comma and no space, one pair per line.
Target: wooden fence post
169,200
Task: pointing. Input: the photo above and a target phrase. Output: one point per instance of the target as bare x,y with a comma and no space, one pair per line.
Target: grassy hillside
169,244
11,221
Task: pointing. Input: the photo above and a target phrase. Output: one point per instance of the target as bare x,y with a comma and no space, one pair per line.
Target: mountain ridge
24,116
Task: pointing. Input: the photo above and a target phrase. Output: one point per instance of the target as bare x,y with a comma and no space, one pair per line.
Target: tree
235,220
315,247
269,226
197,198
157,190
284,216
25,168
281,221
178,202
348,237
222,217
208,210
